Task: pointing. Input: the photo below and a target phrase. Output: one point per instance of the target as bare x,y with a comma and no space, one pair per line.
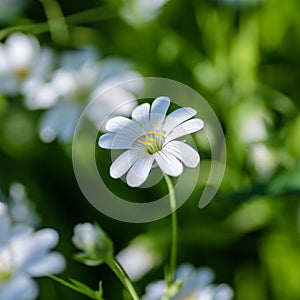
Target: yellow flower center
5,276
21,73
6,271
153,140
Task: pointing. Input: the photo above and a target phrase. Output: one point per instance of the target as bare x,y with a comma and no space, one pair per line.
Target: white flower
196,286
250,120
21,61
139,12
25,254
8,232
20,208
139,257
151,137
263,159
85,236
95,244
80,79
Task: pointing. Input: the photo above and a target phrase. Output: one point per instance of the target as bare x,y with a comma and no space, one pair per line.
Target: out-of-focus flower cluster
194,284
62,86
25,253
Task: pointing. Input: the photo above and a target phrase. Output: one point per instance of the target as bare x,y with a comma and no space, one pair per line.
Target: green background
245,60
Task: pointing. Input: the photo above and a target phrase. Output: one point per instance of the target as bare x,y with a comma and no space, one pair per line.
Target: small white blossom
20,208
263,159
80,79
196,285
85,236
139,12
150,136
22,61
95,244
139,257
24,255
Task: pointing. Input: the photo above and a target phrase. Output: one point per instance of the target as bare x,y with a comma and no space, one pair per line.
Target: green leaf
87,260
99,293
79,287
83,287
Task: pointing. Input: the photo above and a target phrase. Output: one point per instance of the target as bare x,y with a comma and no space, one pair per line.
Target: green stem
173,254
56,20
121,274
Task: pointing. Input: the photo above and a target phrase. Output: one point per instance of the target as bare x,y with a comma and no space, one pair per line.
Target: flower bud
96,246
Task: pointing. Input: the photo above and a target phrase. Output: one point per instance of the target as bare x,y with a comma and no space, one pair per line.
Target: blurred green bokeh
243,57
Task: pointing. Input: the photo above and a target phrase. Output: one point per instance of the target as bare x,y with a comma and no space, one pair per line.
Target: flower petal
60,121
185,153
159,109
106,140
22,50
37,246
168,163
185,128
140,171
141,111
122,164
20,287
52,263
223,292
123,139
116,123
177,117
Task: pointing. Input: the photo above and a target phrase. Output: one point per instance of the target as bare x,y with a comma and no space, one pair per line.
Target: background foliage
243,57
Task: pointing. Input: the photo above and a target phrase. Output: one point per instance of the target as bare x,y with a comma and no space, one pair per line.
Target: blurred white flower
249,120
25,254
151,137
139,12
263,159
3,209
80,79
196,285
19,206
85,237
10,8
22,62
139,257
8,232
95,244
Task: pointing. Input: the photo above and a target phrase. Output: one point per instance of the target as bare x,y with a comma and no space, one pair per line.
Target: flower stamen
153,140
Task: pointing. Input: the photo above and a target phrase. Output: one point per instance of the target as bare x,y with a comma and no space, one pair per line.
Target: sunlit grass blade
87,16
56,20
80,287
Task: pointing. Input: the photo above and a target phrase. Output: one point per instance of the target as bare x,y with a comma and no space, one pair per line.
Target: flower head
150,136
94,243
80,79
23,62
25,253
195,285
